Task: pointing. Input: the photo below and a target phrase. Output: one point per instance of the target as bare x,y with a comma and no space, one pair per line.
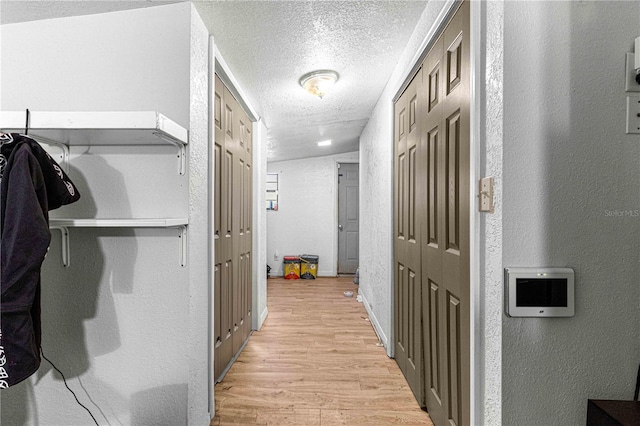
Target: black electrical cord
635,395
72,392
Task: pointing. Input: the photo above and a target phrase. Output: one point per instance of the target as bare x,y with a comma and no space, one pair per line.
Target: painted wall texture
490,16
306,220
98,63
125,322
198,408
571,196
259,225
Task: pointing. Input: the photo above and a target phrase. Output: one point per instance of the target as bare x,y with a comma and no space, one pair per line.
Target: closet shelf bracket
183,245
62,158
64,234
182,150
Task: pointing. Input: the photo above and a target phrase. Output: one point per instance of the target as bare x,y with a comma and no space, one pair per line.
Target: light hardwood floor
316,361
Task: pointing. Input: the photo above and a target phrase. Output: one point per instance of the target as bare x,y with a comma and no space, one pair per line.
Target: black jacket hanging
32,183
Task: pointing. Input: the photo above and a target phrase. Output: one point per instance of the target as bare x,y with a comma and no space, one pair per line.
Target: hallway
316,361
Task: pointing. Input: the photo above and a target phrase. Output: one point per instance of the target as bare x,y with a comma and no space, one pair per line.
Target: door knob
340,227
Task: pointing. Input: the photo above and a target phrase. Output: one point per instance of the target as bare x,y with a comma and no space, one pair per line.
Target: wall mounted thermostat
539,292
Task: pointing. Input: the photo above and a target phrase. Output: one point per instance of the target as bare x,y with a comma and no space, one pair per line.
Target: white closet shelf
118,128
119,223
88,127
64,224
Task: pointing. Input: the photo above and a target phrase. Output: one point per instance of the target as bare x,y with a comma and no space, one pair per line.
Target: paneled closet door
223,295
445,232
407,273
232,234
234,163
242,235
246,234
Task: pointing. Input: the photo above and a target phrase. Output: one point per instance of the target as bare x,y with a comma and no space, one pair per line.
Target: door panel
401,322
433,339
227,205
453,359
402,194
452,164
217,225
407,218
351,251
446,247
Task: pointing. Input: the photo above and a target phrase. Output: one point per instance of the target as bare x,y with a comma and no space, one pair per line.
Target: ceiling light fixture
318,82
324,143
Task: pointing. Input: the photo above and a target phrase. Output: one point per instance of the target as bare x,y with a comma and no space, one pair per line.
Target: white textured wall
199,226
490,144
98,63
376,188
567,165
259,225
307,218
124,320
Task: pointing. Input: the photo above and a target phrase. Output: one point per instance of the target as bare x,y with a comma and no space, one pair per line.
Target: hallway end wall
571,198
306,219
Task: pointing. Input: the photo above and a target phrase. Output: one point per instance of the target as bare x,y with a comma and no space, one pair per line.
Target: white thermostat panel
539,292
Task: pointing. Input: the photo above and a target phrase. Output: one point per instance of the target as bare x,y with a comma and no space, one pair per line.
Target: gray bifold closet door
232,206
432,193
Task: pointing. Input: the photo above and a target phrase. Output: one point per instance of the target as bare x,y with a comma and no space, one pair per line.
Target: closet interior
129,168
58,131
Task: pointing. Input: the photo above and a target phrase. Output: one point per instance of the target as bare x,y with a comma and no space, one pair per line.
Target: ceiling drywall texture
12,11
268,45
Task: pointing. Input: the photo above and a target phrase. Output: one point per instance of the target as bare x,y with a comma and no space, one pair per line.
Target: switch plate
633,113
486,194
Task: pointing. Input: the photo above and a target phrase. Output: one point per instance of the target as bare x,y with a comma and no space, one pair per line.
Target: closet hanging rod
26,124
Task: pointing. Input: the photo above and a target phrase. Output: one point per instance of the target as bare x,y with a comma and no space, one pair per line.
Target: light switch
486,194
633,113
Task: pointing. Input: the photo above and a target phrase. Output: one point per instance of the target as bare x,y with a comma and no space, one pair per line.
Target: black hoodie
32,183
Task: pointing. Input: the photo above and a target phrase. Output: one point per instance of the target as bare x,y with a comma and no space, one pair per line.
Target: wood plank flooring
316,361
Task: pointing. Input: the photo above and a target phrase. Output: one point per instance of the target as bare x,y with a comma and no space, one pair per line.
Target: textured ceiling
12,11
268,45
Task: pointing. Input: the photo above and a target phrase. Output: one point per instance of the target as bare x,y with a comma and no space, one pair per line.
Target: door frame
336,221
475,120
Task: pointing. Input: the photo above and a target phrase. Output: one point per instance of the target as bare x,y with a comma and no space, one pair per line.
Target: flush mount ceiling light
318,82
324,143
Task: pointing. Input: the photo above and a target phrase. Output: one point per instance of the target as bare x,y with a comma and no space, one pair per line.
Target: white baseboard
374,321
263,316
